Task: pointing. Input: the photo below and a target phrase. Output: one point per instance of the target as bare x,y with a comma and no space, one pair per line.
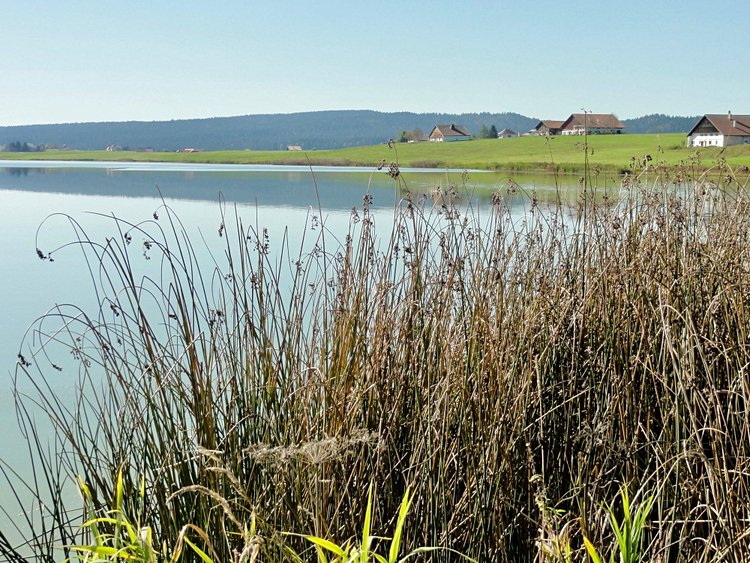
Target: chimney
734,123
729,115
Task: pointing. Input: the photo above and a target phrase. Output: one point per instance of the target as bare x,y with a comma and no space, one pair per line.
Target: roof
593,121
727,124
506,131
451,130
549,124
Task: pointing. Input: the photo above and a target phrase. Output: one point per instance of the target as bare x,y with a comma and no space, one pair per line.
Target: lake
279,198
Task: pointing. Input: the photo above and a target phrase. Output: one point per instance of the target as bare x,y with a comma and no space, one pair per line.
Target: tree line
18,146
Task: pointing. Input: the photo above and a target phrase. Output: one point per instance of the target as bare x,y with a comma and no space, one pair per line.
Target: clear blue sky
157,60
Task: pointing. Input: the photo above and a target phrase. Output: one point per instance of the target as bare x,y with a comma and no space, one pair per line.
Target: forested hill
311,130
660,123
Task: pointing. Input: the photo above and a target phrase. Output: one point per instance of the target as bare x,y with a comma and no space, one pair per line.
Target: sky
78,61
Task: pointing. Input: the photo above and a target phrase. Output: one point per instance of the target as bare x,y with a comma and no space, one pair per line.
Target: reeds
481,362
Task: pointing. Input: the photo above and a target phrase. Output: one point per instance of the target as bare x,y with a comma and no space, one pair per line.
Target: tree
483,131
493,132
402,138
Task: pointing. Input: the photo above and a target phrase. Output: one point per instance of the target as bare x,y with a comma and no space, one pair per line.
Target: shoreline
611,154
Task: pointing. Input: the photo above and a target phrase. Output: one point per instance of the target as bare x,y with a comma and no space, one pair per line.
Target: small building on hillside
294,147
720,130
448,133
506,134
548,127
591,124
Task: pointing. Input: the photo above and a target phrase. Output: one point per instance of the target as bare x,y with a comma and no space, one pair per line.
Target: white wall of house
716,140
706,140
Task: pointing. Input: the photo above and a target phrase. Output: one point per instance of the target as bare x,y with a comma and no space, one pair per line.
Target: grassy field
613,153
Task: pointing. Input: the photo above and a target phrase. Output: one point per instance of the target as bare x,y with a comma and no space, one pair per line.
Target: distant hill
660,123
311,130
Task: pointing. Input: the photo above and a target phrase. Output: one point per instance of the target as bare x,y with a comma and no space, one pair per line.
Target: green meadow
612,153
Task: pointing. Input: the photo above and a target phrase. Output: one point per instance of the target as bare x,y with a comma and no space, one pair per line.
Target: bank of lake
610,153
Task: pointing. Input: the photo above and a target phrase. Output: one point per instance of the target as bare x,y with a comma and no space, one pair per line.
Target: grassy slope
610,152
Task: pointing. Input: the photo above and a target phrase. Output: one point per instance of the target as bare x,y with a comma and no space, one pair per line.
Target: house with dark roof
720,130
591,124
506,134
547,127
448,133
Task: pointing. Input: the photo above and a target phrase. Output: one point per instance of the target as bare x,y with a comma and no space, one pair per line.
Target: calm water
276,198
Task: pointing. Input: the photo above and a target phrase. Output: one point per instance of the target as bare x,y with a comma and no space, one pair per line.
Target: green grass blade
117,508
396,541
366,528
326,544
202,554
620,532
591,550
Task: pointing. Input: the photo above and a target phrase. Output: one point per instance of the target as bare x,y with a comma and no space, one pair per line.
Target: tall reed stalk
479,362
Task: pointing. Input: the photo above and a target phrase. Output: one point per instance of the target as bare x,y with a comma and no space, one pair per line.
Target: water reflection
17,171
331,188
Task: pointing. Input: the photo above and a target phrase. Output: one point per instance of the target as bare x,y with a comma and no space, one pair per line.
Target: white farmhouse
715,130
448,133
